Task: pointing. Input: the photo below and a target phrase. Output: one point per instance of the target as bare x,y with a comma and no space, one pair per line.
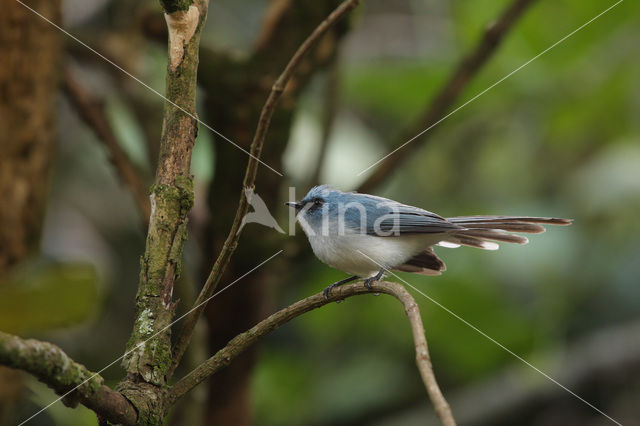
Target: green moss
181,193
184,183
171,6
162,360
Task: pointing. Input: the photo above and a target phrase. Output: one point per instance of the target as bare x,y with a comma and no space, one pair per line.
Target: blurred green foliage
46,297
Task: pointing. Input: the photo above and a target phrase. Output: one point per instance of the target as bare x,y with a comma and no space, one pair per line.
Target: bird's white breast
363,255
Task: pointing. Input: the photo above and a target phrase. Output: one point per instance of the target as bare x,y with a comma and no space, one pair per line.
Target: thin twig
243,341
91,110
467,68
250,176
49,364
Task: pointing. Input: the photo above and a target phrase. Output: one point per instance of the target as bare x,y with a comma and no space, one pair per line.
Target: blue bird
366,236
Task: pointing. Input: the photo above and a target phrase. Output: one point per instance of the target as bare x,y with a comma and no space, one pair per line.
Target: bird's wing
388,218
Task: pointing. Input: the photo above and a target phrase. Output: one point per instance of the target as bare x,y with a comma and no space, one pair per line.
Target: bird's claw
327,291
370,280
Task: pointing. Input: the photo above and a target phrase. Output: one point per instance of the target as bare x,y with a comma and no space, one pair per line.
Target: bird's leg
327,290
376,277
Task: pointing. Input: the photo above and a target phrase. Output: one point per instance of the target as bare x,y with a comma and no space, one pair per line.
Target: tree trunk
30,53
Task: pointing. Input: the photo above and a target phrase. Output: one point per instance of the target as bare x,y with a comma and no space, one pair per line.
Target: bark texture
30,52
148,357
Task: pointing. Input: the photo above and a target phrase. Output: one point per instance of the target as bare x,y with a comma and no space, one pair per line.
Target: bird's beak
293,204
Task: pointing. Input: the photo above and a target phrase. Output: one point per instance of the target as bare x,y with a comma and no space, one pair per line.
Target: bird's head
325,209
319,201
317,197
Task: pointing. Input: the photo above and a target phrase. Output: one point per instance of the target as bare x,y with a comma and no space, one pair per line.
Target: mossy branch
147,361
49,364
243,341
417,135
264,121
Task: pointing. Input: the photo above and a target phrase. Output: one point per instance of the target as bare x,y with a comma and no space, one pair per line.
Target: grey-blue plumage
365,235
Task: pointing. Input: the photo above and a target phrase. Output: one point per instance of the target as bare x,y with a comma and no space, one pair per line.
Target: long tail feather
494,219
494,235
481,230
529,228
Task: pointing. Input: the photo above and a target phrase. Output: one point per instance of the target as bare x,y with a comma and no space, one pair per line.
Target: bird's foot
368,281
376,277
327,291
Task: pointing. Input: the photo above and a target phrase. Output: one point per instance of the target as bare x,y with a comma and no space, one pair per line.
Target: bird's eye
318,202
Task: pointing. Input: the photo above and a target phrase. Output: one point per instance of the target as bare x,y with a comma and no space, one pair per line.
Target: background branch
49,364
243,341
273,19
91,111
329,111
467,68
250,176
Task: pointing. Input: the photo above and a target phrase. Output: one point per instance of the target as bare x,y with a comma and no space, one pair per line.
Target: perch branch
49,364
467,68
91,111
250,176
243,341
